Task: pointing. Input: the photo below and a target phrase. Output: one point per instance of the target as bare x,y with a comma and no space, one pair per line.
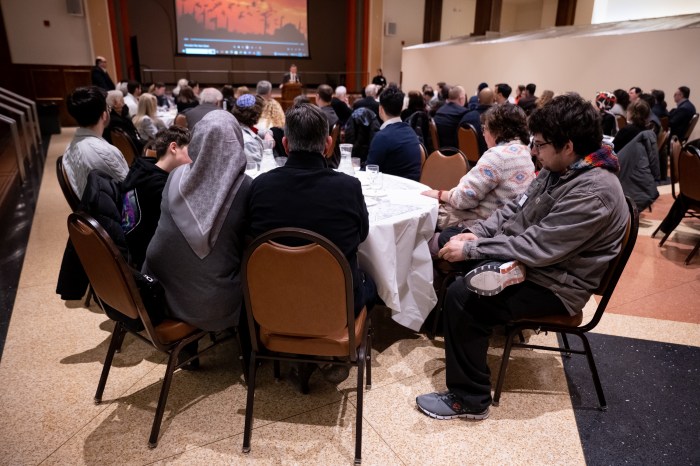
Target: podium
289,92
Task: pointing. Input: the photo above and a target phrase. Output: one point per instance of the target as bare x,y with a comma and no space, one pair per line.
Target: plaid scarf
602,158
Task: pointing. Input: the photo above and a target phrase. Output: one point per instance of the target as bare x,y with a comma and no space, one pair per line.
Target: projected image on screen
257,28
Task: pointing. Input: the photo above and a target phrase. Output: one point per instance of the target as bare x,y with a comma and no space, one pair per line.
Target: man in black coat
369,101
447,118
99,75
680,117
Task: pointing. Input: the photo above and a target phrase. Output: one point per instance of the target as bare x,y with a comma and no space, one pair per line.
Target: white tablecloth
167,117
396,253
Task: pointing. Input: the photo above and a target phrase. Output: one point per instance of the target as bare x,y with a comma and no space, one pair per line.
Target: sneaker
446,405
335,373
492,277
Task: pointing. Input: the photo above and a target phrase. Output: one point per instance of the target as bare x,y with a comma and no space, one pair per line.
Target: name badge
522,200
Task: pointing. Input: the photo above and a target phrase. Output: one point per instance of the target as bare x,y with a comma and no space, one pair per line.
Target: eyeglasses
539,145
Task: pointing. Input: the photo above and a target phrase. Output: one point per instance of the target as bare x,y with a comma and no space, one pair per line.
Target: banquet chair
564,325
442,171
299,301
423,155
676,147
621,121
688,187
74,204
691,128
664,123
434,134
467,137
124,143
70,195
333,152
180,120
663,138
114,284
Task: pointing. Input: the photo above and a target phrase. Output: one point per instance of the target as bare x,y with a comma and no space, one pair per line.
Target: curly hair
249,116
569,117
506,122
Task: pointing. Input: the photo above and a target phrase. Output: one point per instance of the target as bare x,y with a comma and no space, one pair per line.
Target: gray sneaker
446,405
491,278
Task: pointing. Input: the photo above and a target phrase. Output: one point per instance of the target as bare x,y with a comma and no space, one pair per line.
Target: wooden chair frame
359,354
572,325
125,144
468,143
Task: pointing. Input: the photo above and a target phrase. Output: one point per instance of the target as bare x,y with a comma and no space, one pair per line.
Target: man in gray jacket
564,230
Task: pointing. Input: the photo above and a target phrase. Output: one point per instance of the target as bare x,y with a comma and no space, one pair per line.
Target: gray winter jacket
565,229
639,169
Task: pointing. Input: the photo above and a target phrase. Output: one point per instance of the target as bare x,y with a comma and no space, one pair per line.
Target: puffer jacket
639,169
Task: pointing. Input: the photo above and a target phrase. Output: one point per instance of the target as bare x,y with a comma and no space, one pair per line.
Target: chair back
467,137
335,134
123,142
303,292
434,134
664,123
662,139
689,172
423,156
180,120
110,276
442,171
70,195
691,127
675,153
621,121
617,265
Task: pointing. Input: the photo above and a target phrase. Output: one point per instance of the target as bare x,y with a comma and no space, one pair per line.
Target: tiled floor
54,352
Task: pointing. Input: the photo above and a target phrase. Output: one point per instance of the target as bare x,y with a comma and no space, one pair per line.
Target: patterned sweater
501,174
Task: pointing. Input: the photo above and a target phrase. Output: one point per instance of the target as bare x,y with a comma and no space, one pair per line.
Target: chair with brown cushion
126,146
434,134
689,187
621,121
114,285
180,120
664,123
468,144
442,171
299,301
572,324
70,195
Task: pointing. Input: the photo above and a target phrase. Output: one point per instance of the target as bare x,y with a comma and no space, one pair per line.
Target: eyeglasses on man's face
538,145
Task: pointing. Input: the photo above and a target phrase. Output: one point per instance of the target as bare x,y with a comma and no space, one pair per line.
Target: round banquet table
396,253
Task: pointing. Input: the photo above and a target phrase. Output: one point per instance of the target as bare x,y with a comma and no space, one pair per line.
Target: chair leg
566,344
241,358
663,240
656,231
121,342
89,296
117,336
248,428
360,394
504,365
692,253
594,373
368,385
164,389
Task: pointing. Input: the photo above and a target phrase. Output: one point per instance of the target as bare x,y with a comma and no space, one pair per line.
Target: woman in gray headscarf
197,248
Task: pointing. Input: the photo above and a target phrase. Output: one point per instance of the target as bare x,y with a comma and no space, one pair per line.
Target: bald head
486,96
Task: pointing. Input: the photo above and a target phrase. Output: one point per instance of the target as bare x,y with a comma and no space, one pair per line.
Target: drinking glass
356,163
372,171
268,144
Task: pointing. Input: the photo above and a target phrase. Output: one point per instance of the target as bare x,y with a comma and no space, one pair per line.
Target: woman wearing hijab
197,248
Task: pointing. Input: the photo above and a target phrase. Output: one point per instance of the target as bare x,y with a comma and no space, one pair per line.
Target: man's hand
465,237
453,251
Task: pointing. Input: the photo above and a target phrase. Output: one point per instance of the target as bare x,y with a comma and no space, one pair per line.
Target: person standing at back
99,75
